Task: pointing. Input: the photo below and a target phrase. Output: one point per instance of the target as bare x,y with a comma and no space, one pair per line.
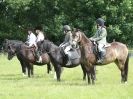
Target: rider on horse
100,39
40,37
67,44
31,39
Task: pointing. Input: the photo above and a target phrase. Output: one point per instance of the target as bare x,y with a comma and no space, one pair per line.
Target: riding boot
69,62
38,57
100,57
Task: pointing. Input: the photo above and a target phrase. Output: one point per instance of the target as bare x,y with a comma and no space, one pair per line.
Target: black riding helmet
100,21
38,28
29,29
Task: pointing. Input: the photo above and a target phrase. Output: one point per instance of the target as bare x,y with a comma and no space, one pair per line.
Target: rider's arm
70,39
32,40
66,40
94,36
40,37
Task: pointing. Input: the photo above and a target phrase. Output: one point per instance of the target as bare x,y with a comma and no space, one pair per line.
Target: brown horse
26,56
117,53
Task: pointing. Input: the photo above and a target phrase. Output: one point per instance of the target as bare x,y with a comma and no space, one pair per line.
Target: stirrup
40,60
100,61
68,63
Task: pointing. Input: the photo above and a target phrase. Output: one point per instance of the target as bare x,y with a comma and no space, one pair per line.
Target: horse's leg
88,73
126,68
23,68
94,72
49,68
120,65
29,69
84,71
32,70
58,72
93,75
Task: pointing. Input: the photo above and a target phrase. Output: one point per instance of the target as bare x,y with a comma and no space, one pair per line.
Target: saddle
72,53
31,48
96,51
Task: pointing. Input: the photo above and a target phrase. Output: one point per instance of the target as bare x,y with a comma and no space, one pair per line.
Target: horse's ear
6,40
78,30
74,29
9,46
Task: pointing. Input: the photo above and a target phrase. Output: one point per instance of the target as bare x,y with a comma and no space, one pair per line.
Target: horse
6,42
58,58
25,56
117,53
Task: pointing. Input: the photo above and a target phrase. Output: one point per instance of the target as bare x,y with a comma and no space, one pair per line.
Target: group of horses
51,53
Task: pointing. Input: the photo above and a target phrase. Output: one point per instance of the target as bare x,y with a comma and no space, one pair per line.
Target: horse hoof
24,75
51,72
125,82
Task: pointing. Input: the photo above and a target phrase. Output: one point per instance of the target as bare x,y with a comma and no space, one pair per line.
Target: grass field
42,86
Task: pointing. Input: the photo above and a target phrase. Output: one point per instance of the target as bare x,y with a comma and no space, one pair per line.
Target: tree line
16,15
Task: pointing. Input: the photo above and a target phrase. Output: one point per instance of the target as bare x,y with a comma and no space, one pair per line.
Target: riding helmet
100,21
66,28
39,28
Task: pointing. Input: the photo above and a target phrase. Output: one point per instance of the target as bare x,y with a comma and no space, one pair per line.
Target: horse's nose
74,43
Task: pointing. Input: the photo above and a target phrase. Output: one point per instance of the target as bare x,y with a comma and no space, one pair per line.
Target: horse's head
11,50
80,37
5,45
77,36
44,46
40,45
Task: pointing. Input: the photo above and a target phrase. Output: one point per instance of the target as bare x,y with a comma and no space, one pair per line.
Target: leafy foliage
52,14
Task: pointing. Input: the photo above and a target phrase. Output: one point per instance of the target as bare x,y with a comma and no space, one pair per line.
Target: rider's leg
37,55
67,49
101,53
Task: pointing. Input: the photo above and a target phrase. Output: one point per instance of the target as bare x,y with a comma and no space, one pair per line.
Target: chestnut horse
117,53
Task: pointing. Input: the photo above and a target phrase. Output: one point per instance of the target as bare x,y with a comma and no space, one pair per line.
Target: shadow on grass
20,77
12,77
54,82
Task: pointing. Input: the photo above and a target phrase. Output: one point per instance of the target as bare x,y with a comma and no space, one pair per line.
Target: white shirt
31,39
40,37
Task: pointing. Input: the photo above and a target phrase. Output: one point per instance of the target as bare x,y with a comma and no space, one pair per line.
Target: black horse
6,42
58,58
26,56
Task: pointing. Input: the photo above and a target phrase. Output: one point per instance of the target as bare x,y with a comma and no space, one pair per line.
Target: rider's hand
91,39
61,45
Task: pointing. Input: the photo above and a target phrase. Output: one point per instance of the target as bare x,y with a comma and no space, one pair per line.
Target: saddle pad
74,55
107,45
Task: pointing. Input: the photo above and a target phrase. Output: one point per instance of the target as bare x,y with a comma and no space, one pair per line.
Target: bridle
79,37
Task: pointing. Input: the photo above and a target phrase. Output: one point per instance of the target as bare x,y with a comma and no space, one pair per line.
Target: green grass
42,86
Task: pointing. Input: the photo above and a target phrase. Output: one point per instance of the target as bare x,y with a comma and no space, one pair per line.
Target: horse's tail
126,66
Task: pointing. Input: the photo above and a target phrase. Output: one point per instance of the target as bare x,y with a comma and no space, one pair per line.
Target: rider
67,44
31,39
40,37
100,38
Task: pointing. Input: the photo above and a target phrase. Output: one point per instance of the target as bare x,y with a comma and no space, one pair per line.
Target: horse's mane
12,41
50,42
83,35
